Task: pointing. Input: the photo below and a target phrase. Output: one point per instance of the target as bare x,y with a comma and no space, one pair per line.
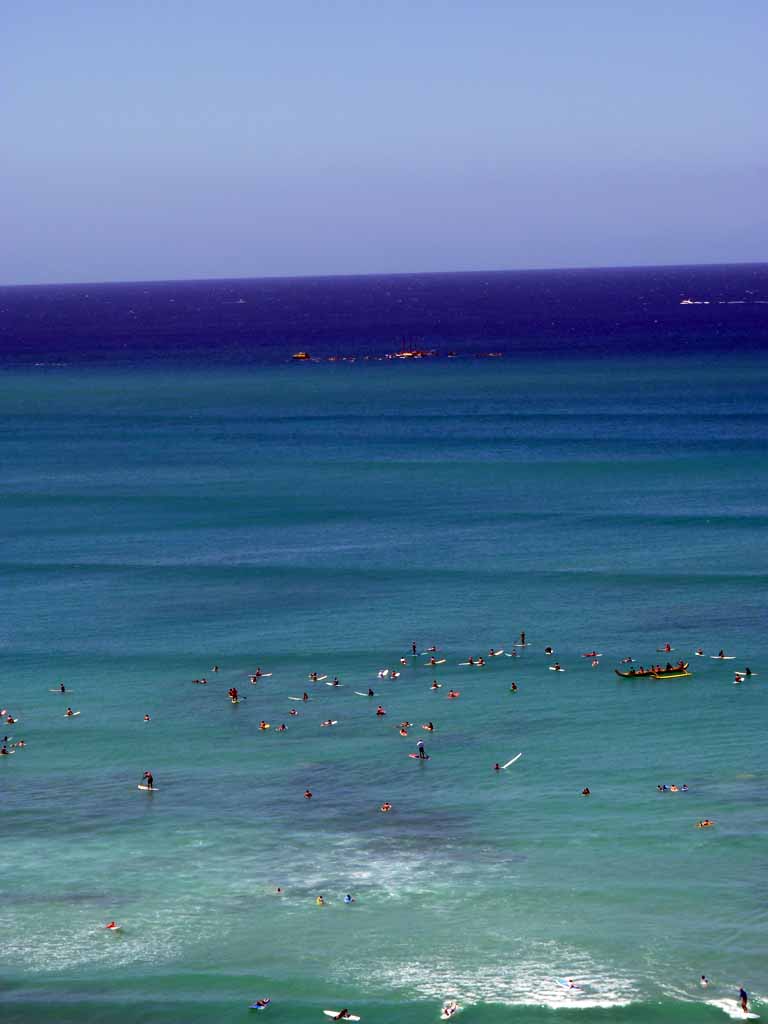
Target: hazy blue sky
253,137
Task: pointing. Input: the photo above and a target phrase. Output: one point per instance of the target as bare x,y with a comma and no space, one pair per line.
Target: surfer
452,694
385,807
263,725
497,767
69,712
421,751
721,653
480,662
744,1000
429,727
261,1003
513,687
413,647
281,727
585,791
320,901
112,925
307,794
149,780
349,899
699,651
305,695
62,688
380,711
435,685
403,732
4,751
313,677
705,823
215,668
548,650
342,1014
335,681
747,671
370,692
147,718
558,667
293,712
433,661
704,981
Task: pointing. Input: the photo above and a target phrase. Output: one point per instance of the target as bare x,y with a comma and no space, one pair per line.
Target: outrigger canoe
666,673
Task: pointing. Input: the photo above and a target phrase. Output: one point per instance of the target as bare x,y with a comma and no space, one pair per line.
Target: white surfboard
73,715
449,1011
300,698
512,760
263,675
733,1009
723,657
147,789
553,668
361,694
334,721
335,1013
57,690
334,684
437,661
495,653
318,680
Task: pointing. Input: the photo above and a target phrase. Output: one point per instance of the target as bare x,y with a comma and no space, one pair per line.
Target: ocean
179,494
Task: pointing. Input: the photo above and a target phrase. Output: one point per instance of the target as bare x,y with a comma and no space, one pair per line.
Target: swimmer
307,794
586,791
704,981
320,901
349,899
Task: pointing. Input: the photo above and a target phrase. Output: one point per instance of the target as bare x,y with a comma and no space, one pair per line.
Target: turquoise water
321,518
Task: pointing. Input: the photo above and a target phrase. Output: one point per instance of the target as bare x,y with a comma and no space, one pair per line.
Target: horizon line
399,273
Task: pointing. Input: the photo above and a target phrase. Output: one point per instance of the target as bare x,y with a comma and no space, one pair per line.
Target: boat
301,356
678,672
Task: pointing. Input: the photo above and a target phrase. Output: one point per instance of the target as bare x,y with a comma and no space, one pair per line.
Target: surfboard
553,668
664,650
417,758
733,1009
512,760
57,690
334,721
596,654
318,680
699,654
521,645
448,1011
73,715
470,663
723,657
336,684
359,694
9,753
260,1006
437,661
147,789
300,698
495,653
335,1013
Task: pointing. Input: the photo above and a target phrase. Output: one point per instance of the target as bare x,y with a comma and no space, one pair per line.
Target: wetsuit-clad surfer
149,779
744,1000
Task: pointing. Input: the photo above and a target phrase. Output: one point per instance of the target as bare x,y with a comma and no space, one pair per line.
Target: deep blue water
565,312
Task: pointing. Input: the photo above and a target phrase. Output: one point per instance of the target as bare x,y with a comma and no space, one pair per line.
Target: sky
245,138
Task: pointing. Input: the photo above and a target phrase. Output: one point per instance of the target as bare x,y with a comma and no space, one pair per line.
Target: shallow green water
322,518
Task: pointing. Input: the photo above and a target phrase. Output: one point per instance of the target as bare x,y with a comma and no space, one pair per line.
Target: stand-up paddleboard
334,721
417,758
723,657
521,645
554,668
147,789
300,698
73,715
335,1013
512,760
733,1009
567,984
262,1005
